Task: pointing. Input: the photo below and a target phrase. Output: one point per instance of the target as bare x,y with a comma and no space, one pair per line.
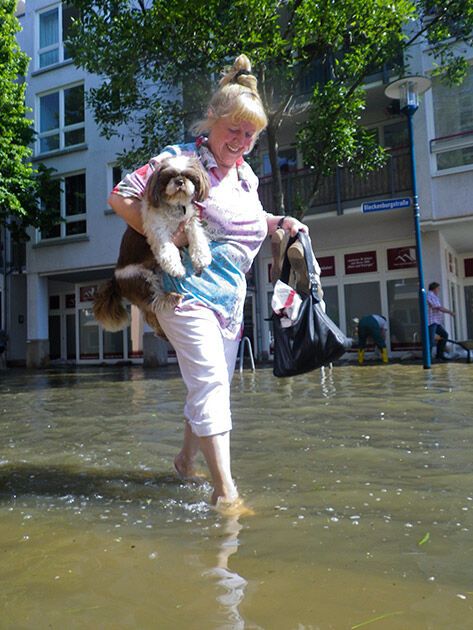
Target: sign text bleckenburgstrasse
385,204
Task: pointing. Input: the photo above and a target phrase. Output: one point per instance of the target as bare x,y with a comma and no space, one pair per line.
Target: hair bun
239,74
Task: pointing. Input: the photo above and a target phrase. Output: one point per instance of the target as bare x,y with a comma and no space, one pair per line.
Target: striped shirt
435,315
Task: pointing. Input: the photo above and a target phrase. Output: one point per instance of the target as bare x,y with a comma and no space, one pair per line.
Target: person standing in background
436,319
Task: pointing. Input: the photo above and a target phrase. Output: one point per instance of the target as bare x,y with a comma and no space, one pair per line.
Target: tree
150,52
20,184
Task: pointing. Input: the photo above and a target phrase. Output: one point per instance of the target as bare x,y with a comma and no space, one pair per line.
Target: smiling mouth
233,149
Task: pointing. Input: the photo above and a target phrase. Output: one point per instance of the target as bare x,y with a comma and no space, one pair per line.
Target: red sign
87,293
361,262
468,267
327,266
402,257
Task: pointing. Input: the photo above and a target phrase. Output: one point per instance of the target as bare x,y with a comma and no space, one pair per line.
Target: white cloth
285,302
207,361
383,324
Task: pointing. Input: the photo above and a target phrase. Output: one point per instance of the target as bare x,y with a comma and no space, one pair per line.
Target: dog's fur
168,200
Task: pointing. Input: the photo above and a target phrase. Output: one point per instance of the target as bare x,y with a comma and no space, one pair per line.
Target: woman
206,328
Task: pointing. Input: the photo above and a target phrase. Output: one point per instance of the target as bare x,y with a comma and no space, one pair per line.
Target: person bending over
374,327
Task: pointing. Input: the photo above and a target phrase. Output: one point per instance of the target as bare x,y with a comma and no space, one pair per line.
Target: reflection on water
361,480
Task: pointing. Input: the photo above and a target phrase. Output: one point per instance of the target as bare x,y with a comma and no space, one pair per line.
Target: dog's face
177,181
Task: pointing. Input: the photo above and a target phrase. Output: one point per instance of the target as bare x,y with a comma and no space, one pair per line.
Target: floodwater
361,480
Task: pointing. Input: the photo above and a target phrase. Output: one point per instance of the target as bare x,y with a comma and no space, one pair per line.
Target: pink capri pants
207,362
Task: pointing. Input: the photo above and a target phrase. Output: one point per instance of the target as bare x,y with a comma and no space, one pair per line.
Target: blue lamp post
407,90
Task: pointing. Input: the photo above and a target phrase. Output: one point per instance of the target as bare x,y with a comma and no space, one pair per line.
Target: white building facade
368,258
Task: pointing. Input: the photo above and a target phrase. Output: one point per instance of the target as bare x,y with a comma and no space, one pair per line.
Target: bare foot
185,469
232,507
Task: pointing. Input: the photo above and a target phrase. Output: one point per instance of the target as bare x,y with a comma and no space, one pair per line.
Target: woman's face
228,141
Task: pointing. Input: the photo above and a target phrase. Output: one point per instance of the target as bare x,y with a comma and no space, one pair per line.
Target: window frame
59,45
62,129
65,218
438,145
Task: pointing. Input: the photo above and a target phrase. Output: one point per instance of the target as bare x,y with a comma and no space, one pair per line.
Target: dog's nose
179,181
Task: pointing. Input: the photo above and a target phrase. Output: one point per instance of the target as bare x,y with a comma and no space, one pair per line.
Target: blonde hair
236,98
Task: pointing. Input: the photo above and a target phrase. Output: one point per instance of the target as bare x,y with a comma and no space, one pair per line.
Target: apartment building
368,257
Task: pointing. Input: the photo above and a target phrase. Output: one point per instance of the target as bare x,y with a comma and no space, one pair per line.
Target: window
453,117
404,322
361,299
70,199
53,27
117,175
331,303
61,119
469,310
396,136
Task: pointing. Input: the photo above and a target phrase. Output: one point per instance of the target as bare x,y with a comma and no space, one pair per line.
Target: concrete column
37,344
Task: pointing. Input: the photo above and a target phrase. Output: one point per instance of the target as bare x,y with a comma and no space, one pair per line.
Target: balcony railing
343,189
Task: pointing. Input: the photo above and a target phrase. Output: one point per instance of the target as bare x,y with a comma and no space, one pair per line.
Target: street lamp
407,90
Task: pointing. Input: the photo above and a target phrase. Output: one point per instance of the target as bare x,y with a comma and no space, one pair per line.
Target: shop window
331,303
112,345
248,321
54,332
361,299
71,336
469,311
88,335
403,304
61,119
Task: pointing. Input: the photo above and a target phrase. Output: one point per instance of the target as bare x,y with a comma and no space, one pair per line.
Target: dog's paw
175,269
199,263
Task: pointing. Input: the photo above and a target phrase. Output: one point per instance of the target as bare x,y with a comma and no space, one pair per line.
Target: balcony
344,189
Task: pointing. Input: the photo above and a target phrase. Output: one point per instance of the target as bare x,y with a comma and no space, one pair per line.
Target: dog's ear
153,189
156,185
202,182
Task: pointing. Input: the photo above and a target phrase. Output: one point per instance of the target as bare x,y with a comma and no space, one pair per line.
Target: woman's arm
289,224
129,209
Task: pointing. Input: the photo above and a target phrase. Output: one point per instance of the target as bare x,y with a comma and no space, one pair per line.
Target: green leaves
150,53
20,184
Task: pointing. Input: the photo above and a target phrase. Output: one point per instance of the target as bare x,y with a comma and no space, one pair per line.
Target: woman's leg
206,361
216,450
184,460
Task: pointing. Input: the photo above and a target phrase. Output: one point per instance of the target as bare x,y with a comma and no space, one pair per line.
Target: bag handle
309,260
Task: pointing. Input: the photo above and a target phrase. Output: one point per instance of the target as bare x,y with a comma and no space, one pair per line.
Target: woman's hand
179,238
293,226
288,224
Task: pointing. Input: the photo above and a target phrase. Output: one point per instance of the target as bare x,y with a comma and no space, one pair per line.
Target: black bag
313,340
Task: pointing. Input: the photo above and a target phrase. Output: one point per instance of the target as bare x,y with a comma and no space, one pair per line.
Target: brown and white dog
169,199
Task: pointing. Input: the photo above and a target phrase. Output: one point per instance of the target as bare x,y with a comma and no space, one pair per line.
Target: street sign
385,204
